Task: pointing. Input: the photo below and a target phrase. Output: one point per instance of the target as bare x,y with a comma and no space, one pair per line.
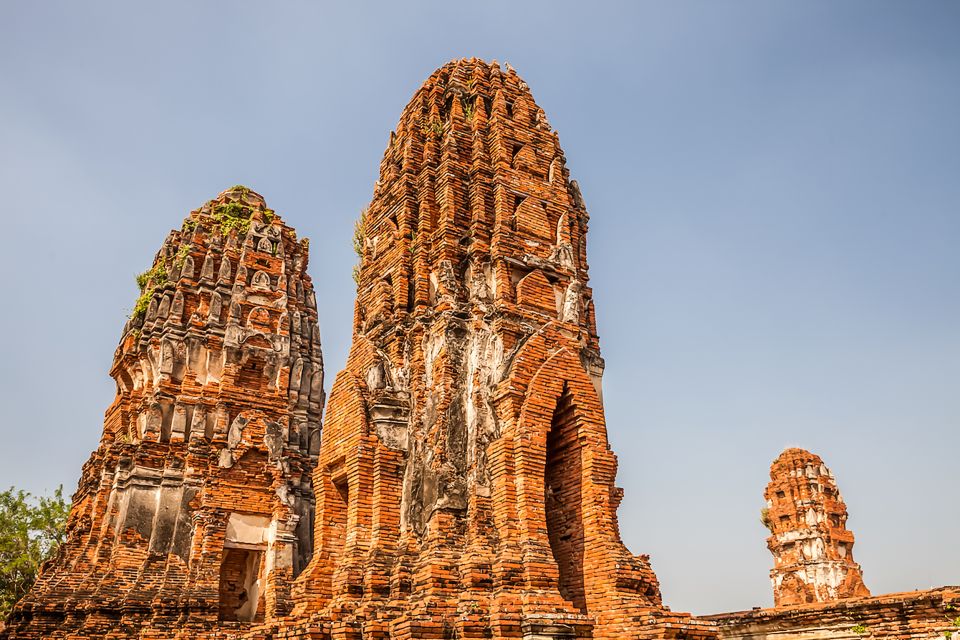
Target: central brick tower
465,485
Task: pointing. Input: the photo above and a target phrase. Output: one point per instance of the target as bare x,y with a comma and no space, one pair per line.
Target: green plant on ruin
269,215
765,519
233,215
359,243
949,608
149,281
413,240
140,306
859,629
433,128
360,234
182,254
189,225
468,109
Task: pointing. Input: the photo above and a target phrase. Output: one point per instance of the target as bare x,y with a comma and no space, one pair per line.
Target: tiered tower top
473,203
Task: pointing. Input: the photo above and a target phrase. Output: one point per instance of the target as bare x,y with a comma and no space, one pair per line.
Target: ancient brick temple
812,548
463,487
196,509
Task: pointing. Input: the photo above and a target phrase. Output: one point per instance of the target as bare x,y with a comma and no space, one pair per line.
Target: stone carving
216,307
186,271
206,272
571,303
261,281
225,273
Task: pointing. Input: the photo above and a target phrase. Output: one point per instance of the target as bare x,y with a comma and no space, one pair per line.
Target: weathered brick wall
219,394
933,614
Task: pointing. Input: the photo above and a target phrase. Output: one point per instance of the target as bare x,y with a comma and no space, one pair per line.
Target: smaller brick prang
811,545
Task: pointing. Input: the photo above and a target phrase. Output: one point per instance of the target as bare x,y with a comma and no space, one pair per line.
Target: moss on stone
149,281
233,215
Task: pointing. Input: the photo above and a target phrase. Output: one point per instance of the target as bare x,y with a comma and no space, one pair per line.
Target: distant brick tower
812,548
196,509
465,487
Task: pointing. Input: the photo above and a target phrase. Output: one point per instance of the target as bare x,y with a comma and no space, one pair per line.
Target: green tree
31,530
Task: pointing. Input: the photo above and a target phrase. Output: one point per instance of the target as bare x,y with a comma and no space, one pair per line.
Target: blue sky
775,215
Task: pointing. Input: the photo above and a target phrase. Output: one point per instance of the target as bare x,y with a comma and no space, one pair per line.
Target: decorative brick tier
196,510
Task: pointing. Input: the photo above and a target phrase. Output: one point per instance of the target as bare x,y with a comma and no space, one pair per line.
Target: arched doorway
563,475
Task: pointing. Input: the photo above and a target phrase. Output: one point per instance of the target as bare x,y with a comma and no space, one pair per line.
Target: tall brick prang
465,486
811,545
196,510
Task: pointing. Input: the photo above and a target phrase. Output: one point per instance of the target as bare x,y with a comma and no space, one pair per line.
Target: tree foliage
31,530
